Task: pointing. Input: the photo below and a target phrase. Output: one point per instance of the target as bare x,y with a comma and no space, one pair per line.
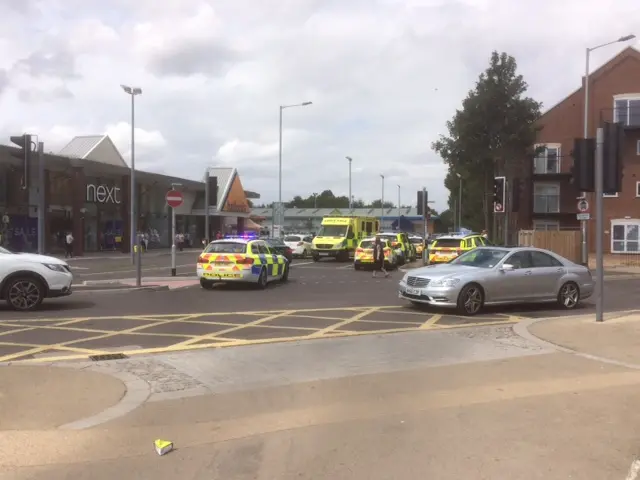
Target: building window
638,147
637,189
546,225
626,110
547,160
609,195
625,236
546,198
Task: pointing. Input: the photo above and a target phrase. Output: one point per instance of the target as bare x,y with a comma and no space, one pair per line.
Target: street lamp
583,223
459,201
382,203
350,199
282,107
398,207
133,91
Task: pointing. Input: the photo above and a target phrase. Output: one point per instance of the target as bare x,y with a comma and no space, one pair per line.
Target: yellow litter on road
163,446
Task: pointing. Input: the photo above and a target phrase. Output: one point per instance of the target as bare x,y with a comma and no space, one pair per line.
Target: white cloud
384,77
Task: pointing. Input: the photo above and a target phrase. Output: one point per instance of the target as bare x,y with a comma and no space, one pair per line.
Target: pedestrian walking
68,245
181,241
378,258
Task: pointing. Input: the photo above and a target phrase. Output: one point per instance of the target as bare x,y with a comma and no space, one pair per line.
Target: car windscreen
447,243
332,231
480,257
390,238
226,247
275,242
416,240
5,251
366,244
292,238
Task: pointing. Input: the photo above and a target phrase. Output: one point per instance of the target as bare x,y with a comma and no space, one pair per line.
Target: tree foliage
327,199
491,135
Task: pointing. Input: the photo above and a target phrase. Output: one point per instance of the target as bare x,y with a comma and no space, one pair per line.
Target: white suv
27,279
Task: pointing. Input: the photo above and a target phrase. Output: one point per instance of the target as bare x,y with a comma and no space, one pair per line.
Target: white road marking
79,268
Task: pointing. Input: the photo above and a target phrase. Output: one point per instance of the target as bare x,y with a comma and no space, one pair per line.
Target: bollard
138,251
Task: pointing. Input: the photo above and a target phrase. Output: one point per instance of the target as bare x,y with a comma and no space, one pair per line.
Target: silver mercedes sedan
498,276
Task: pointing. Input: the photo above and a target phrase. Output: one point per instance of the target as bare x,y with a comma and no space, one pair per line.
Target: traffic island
46,397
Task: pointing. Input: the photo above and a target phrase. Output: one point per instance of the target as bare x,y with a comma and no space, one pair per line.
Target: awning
251,225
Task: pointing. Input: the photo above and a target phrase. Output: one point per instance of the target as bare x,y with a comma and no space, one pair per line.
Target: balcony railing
546,165
628,116
546,204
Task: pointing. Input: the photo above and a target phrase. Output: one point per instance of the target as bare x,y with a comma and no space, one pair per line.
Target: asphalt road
320,300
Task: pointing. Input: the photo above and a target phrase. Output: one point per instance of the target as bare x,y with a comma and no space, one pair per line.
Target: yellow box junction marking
214,340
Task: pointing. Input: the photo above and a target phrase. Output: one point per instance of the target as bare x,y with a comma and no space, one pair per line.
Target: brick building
549,195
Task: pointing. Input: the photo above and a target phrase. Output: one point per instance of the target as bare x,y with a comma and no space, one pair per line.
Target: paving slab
40,397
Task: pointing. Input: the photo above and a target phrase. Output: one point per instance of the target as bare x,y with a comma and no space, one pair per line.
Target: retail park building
87,187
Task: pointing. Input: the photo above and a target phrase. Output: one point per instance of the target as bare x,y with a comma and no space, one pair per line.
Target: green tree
491,135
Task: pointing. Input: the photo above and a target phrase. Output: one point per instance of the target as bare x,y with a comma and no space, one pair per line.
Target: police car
243,259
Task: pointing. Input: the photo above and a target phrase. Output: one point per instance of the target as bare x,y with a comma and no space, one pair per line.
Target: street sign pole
599,225
425,205
41,207
173,241
206,206
505,204
174,199
138,261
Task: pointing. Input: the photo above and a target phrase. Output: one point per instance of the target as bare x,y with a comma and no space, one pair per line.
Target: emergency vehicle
339,236
244,259
364,254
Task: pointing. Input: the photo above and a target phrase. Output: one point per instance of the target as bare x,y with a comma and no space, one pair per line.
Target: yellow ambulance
339,236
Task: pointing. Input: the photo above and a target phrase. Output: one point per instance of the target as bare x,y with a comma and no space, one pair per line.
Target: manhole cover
108,356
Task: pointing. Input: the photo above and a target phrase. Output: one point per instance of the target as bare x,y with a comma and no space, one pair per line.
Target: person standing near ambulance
378,258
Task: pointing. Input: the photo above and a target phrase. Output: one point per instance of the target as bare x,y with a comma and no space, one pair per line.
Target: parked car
26,279
498,275
279,247
299,244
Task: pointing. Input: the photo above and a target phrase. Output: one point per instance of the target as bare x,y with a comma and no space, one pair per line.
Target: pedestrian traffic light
515,195
612,158
24,142
584,151
498,194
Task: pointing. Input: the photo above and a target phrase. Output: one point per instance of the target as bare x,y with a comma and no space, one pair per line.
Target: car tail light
201,260
300,244
288,250
359,250
245,261
459,252
394,244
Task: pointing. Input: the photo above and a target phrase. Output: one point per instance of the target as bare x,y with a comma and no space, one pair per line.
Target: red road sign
174,198
583,206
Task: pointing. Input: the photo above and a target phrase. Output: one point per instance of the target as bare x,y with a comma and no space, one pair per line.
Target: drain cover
108,356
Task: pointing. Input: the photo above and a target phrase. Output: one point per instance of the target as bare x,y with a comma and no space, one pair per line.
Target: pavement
481,402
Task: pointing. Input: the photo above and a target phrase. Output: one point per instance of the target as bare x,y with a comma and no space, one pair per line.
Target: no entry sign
174,198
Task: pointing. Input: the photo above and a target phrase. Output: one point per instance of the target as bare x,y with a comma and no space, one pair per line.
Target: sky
384,77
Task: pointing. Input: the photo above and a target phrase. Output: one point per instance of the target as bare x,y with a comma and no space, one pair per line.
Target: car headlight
339,244
404,279
55,268
447,282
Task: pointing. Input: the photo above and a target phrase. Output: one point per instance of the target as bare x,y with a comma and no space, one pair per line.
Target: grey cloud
20,6
37,96
211,58
59,64
4,81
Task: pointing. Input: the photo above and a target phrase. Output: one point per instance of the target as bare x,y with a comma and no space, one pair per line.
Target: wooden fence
565,243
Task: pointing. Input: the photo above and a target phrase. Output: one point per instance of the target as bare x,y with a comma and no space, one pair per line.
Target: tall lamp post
282,107
459,201
382,203
350,198
398,207
583,224
133,91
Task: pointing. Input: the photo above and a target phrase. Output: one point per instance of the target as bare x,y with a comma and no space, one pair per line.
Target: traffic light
419,203
515,195
212,201
498,194
24,142
584,154
612,158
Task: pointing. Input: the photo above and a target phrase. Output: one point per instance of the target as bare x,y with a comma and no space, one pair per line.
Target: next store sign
103,194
